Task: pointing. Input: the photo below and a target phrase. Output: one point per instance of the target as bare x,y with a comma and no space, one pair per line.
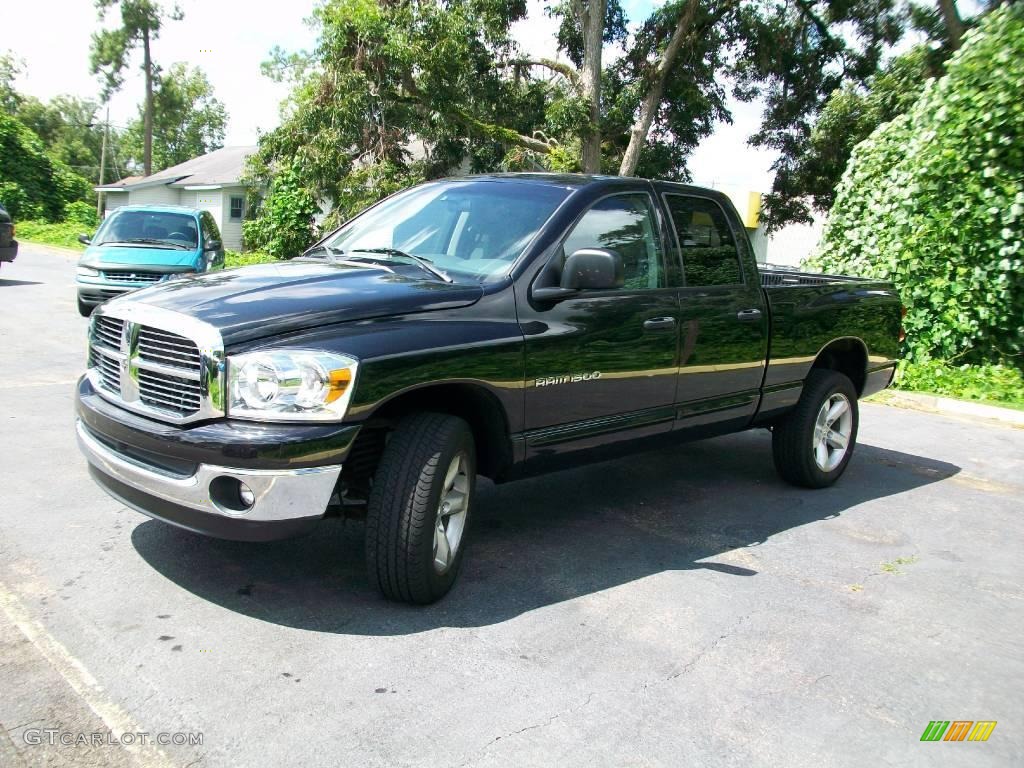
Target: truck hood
117,255
270,299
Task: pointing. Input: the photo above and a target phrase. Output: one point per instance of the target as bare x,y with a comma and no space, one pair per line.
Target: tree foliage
934,200
140,24
32,184
188,120
285,224
70,129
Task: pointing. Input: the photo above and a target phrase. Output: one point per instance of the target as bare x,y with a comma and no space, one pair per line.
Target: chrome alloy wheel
832,430
451,514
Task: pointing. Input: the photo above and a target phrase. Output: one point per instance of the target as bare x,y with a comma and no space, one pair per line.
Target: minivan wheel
419,507
85,310
813,444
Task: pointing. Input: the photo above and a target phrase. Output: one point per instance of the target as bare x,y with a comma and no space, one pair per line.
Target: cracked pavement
680,607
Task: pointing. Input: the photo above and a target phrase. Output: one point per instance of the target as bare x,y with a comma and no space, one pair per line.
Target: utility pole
103,164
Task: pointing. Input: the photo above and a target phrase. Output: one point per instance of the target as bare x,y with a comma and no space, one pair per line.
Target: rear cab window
707,244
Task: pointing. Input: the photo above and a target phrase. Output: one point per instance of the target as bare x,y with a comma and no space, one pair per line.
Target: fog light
231,495
245,495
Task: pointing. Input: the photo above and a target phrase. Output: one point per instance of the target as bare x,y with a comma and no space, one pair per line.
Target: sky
229,39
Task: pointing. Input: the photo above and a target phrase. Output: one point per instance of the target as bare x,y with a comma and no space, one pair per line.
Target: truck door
723,317
604,362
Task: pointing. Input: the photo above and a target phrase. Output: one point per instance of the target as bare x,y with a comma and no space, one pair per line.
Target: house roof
220,168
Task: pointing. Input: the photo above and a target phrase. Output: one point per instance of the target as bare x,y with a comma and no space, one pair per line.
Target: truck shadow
541,541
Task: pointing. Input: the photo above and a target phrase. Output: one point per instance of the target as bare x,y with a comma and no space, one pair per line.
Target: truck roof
580,180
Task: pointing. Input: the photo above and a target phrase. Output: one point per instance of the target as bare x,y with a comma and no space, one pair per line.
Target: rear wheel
418,511
814,443
85,309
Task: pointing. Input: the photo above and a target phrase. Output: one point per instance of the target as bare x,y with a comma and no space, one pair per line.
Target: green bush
62,233
82,214
283,226
934,201
236,259
990,383
32,184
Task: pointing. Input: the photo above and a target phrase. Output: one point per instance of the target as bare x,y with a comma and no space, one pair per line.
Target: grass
63,233
992,384
236,259
893,566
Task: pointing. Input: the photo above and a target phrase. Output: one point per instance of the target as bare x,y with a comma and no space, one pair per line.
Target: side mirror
592,269
212,245
84,240
585,269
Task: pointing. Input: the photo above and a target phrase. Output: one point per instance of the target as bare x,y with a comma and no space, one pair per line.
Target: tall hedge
32,184
934,200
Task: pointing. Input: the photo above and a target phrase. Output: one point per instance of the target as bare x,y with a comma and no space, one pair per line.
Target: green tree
69,128
188,120
141,21
32,184
934,200
446,77
10,68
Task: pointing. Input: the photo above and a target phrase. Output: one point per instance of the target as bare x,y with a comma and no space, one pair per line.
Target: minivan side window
706,243
623,223
210,230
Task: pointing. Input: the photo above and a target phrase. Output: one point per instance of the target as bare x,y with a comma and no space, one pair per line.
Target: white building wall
113,200
158,194
231,231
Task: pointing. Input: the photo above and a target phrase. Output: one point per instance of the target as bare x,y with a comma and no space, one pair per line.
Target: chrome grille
168,348
135,361
107,332
133,277
164,391
108,368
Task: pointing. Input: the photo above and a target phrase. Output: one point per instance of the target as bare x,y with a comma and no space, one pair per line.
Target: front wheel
418,511
813,444
85,309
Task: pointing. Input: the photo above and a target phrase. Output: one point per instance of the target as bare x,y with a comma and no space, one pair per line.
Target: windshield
468,229
158,228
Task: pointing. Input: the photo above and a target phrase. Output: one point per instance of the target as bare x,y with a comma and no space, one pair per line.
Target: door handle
748,315
659,324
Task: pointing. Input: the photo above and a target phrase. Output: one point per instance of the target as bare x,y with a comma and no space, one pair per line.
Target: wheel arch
847,355
470,401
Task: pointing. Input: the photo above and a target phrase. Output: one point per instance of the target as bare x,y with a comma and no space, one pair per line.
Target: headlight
87,272
290,385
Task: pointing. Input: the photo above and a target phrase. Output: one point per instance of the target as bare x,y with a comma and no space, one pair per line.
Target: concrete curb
948,406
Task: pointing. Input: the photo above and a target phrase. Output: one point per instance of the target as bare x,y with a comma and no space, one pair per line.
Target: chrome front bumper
279,496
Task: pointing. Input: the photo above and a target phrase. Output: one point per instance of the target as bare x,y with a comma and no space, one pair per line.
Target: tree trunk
590,14
652,100
954,24
147,122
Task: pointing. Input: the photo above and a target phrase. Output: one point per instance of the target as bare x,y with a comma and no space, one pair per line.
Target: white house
211,182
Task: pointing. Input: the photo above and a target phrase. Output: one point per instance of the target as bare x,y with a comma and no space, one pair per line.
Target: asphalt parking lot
676,608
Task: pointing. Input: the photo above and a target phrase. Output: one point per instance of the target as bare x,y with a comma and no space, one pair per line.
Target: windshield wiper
418,260
328,249
146,242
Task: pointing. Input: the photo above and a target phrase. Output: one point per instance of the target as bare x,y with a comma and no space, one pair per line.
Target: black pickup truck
503,325
8,245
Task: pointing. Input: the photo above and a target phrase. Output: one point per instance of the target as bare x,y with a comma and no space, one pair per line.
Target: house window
237,207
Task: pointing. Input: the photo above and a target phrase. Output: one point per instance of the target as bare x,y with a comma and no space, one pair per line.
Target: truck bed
773,276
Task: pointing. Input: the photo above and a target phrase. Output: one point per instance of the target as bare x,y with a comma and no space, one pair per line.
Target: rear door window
706,241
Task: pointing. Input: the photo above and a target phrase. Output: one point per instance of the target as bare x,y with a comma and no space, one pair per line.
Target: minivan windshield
153,228
473,229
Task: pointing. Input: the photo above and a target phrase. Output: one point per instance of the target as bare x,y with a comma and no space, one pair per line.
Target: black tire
85,310
793,436
402,511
